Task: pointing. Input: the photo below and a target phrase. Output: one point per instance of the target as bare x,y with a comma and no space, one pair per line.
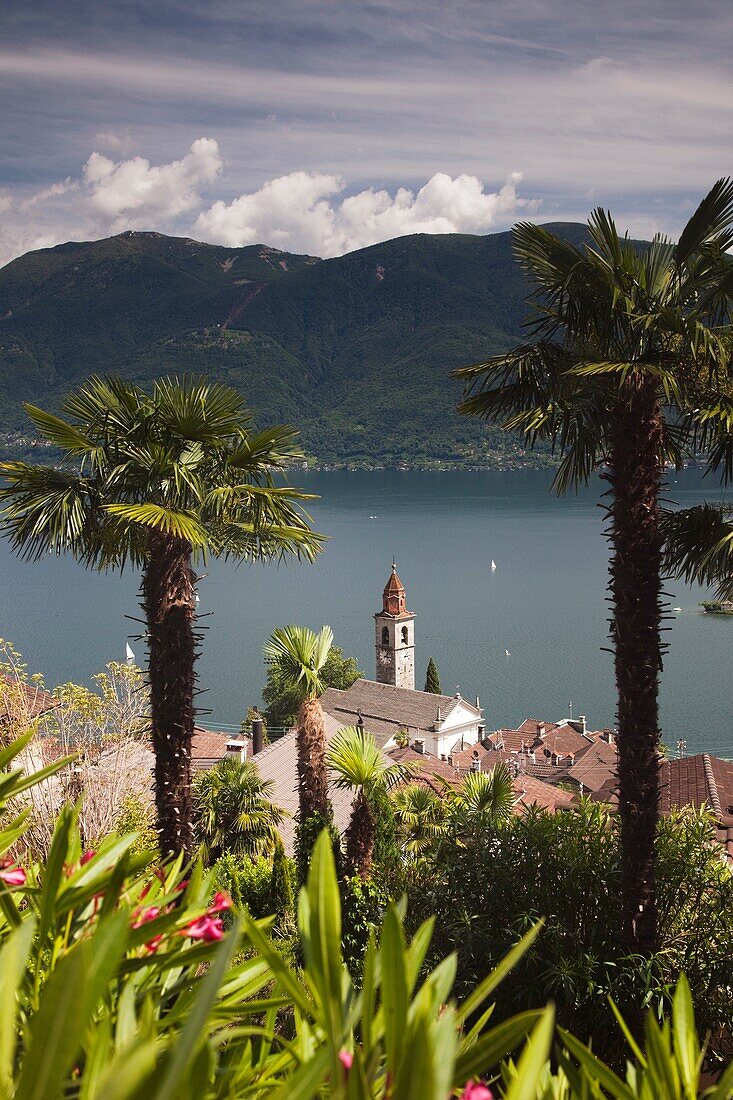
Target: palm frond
353,754
300,654
698,546
485,797
712,219
182,525
59,432
45,510
195,409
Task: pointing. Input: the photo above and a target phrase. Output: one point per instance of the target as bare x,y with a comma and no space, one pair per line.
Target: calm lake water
544,603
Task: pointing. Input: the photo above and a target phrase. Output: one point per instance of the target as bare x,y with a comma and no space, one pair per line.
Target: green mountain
356,351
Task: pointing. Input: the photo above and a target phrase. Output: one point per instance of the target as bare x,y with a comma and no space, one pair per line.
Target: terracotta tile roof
534,792
34,700
544,739
435,773
385,708
700,780
596,766
208,747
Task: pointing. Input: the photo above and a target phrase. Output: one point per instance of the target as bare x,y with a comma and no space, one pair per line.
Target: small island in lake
717,607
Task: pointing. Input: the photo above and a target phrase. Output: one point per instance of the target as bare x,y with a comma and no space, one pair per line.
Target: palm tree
159,481
298,654
619,335
420,814
233,811
361,767
483,799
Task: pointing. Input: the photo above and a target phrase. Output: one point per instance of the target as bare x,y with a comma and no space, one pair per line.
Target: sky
321,126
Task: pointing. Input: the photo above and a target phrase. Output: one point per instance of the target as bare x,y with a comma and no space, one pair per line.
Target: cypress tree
432,680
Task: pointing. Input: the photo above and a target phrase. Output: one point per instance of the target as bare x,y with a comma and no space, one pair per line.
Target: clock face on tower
384,656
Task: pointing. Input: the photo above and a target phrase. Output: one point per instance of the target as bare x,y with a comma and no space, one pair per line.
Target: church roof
385,708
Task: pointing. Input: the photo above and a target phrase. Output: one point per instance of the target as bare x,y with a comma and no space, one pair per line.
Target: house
699,781
593,769
528,791
546,750
278,764
23,700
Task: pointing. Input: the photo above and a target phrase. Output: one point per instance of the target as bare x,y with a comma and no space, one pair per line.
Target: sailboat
129,655
493,565
508,654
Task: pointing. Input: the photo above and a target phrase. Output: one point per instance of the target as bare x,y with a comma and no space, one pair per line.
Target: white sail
493,565
129,655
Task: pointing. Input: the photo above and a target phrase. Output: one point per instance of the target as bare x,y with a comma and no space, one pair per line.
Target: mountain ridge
354,350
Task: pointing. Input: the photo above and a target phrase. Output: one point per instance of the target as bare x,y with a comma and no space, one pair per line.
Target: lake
545,603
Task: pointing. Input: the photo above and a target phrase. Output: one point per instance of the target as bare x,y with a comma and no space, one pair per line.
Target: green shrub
137,817
248,880
565,868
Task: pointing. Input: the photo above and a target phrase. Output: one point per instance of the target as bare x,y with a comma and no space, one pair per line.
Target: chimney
582,723
541,731
237,749
478,703
257,735
439,717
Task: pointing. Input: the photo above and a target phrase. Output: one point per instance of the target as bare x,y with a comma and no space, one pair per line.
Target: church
388,707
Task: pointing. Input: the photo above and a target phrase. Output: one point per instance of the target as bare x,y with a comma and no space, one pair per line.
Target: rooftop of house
31,700
278,764
436,773
595,766
700,780
545,739
385,708
208,747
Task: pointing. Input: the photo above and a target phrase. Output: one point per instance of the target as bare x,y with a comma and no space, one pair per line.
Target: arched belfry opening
395,636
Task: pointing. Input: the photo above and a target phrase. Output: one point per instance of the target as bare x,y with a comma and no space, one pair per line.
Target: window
404,635
385,635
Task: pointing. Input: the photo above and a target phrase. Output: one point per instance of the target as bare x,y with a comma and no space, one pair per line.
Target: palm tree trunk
312,772
360,837
169,605
314,807
635,478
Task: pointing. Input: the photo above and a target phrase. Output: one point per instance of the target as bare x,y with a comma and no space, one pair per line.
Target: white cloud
52,192
133,193
303,211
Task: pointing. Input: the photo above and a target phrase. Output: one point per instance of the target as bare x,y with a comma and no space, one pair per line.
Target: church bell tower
395,637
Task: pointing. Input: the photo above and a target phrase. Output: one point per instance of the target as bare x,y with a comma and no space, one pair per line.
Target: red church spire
393,597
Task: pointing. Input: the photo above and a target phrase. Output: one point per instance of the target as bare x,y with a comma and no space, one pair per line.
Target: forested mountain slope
355,351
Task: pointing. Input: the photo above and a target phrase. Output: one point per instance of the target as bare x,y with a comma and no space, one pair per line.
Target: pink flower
220,903
143,917
13,877
152,945
346,1059
476,1090
206,928
86,857
181,886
